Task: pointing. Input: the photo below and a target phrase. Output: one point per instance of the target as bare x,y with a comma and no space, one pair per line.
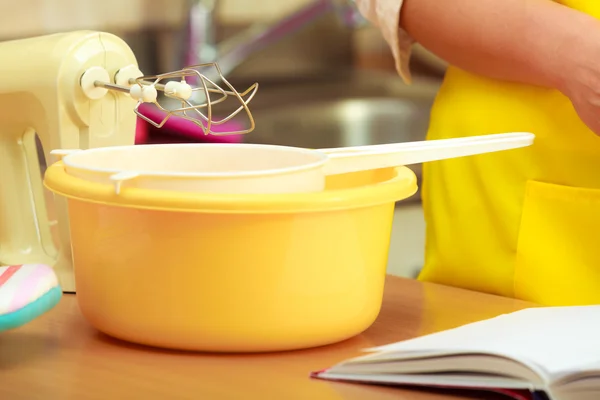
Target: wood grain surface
61,357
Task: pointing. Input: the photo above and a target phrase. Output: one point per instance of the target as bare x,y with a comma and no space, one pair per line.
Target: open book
551,352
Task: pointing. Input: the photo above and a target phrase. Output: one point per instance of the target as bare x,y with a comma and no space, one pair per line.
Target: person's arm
538,42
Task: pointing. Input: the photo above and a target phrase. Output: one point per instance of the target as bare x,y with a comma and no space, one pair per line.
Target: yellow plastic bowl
232,273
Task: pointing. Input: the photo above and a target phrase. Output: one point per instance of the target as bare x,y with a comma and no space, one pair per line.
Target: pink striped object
21,285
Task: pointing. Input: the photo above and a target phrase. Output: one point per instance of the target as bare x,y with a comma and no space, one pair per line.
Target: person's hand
581,78
584,93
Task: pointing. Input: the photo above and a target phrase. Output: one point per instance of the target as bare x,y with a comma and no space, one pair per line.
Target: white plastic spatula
352,159
261,169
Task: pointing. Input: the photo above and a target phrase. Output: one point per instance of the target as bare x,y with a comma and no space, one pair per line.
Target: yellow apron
522,223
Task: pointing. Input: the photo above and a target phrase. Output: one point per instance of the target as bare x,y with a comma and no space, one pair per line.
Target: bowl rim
401,185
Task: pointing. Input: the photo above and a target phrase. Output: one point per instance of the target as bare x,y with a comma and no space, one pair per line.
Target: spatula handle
352,159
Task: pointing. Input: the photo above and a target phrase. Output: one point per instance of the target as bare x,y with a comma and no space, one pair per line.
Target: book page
557,340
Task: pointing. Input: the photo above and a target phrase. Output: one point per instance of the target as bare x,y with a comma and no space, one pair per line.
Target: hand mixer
77,91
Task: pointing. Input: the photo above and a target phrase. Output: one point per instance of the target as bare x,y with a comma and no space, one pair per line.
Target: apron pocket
558,252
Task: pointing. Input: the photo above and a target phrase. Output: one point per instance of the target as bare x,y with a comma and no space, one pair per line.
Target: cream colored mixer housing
40,93
77,91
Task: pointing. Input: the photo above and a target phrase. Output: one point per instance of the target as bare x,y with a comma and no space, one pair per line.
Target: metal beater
145,89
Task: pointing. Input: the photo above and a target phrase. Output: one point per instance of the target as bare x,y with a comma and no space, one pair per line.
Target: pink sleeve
385,14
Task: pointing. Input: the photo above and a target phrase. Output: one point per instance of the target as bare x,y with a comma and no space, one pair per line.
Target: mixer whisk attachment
194,103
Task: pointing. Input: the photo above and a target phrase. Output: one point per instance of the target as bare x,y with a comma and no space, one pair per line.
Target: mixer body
40,93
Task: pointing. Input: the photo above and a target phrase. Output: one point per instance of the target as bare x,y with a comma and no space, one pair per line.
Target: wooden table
60,357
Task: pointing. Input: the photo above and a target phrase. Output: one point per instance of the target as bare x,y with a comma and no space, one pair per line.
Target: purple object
183,130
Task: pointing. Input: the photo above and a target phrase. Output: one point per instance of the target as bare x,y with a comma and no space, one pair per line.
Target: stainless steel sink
351,110
337,123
